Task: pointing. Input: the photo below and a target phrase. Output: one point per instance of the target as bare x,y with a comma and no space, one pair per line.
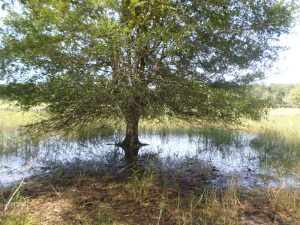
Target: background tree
276,94
92,60
294,96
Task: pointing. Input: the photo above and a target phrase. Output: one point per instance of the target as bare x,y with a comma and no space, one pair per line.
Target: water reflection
228,154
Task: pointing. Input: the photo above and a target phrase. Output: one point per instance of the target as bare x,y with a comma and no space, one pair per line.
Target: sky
287,69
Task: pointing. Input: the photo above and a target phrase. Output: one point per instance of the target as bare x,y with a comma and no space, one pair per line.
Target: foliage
277,94
294,96
93,60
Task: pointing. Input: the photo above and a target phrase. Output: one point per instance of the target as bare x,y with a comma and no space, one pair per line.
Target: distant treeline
279,95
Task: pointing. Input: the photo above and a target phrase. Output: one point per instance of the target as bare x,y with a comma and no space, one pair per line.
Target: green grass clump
209,207
21,219
140,184
18,211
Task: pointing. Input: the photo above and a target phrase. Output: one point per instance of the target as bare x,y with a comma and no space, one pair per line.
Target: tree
4,3
92,60
276,94
294,96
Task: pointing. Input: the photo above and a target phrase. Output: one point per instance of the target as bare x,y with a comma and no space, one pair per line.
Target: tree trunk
131,143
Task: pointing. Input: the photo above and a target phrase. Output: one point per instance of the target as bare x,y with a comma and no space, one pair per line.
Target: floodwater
229,155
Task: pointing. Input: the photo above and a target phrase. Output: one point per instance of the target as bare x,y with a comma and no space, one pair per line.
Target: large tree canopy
97,59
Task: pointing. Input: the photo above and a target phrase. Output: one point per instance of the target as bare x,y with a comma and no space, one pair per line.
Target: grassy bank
145,197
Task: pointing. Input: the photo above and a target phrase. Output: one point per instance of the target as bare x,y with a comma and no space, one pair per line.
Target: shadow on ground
139,194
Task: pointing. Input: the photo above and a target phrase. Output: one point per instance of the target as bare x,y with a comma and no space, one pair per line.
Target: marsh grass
278,140
13,121
220,136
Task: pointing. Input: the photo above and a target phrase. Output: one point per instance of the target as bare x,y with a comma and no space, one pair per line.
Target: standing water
230,155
